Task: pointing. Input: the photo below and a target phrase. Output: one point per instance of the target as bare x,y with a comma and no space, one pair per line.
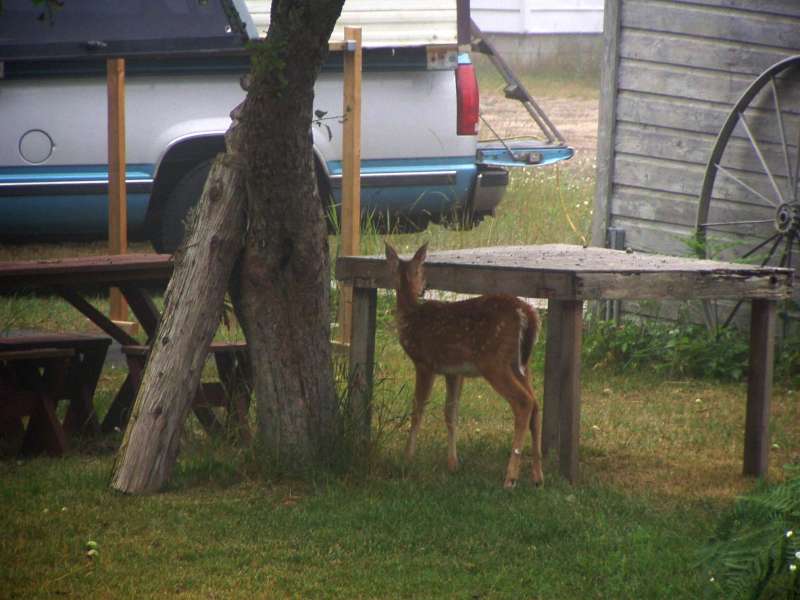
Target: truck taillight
468,100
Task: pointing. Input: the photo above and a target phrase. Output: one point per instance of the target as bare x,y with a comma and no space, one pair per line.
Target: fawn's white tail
489,336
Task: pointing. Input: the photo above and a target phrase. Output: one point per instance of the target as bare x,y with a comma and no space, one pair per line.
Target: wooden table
69,278
567,276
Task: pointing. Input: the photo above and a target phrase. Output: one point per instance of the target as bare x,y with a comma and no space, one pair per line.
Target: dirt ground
574,117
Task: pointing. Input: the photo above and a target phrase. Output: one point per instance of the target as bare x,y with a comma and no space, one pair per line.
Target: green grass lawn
660,460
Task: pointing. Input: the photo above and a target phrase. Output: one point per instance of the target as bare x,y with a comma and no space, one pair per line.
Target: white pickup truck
421,159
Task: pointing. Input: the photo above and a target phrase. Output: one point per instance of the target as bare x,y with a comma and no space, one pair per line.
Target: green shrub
756,550
681,350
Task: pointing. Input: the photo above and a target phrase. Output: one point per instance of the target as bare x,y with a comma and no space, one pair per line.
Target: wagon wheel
749,207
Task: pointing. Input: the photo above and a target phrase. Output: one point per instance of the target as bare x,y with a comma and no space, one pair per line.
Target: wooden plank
654,237
35,354
692,83
467,280
716,23
33,274
680,285
692,115
362,361
789,8
684,178
730,57
96,317
351,172
687,146
607,122
143,307
571,328
659,207
759,387
117,196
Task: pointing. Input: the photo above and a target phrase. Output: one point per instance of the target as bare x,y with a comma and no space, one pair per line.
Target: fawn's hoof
538,480
510,484
453,464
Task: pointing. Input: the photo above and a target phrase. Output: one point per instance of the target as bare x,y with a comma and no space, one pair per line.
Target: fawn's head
408,276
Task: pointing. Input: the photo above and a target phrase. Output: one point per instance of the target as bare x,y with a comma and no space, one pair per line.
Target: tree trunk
281,289
282,296
193,308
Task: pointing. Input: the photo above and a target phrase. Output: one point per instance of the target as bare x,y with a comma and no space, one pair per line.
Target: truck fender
183,155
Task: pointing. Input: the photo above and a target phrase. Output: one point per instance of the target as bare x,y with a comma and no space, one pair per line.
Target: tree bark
282,295
193,308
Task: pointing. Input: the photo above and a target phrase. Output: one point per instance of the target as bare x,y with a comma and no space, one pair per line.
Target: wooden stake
351,169
117,197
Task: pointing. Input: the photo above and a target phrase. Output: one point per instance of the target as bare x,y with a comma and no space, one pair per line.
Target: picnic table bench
567,276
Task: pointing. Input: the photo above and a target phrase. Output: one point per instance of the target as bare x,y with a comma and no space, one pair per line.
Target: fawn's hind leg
422,391
536,431
505,380
454,383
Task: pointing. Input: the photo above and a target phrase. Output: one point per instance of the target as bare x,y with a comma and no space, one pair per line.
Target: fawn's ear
421,254
391,256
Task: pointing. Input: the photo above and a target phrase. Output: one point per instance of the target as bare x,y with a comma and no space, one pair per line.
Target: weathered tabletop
567,275
131,273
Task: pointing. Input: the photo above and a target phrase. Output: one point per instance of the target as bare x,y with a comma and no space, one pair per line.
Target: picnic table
567,276
72,278
69,278
135,275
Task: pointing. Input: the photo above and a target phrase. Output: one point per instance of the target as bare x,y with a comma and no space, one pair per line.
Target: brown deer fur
489,336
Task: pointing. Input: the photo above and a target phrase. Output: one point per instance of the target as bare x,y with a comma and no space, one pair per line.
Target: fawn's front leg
422,391
454,383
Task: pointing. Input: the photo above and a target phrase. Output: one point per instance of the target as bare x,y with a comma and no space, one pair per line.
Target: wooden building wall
672,70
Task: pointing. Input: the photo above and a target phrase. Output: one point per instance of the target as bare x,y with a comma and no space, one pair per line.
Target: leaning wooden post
351,171
117,196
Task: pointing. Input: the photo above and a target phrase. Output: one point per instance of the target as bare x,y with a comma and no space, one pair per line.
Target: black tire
184,196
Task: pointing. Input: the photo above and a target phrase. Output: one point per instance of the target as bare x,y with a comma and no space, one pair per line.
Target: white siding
538,16
384,23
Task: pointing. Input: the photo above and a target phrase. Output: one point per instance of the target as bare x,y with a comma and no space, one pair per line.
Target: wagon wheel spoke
761,159
736,308
749,188
796,166
724,223
782,132
761,245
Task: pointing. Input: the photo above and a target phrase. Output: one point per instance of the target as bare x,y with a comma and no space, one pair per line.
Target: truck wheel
184,196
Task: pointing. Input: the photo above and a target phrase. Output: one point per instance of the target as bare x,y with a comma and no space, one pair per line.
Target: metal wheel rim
786,214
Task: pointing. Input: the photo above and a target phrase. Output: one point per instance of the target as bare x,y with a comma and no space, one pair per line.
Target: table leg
570,332
96,317
362,358
143,307
83,377
120,410
44,432
552,368
759,387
